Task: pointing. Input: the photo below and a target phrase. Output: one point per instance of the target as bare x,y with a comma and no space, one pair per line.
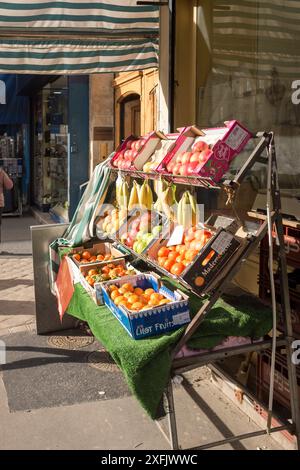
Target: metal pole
285,300
171,417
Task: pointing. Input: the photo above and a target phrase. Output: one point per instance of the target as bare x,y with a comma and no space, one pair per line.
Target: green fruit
135,245
156,230
139,235
140,247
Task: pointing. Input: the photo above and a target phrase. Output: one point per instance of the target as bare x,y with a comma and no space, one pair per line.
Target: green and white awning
73,36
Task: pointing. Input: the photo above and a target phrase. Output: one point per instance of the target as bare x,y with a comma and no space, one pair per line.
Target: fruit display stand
151,363
222,280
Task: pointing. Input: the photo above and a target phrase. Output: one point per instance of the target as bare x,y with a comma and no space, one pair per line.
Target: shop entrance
130,116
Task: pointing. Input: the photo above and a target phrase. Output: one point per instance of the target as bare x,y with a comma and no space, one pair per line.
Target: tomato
180,249
177,269
77,257
163,252
168,264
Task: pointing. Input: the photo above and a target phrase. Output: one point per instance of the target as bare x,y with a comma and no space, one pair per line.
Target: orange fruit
138,291
87,278
86,255
177,269
84,261
164,301
172,256
193,245
113,287
156,296
180,258
91,281
192,231
92,272
122,290
149,292
189,238
119,299
180,248
199,235
163,252
162,260
107,257
92,259
168,264
77,257
136,306
100,257
133,299
127,286
185,262
124,303
153,303
114,294
190,255
127,294
105,270
145,298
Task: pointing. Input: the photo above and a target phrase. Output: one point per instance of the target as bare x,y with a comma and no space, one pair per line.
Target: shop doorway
130,116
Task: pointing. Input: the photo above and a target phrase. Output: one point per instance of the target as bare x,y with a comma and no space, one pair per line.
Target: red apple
142,142
126,165
191,167
134,154
129,144
128,154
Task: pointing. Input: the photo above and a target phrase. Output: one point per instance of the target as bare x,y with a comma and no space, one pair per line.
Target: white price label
236,137
222,242
177,236
181,318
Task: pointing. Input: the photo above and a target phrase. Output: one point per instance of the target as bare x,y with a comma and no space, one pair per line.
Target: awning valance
59,37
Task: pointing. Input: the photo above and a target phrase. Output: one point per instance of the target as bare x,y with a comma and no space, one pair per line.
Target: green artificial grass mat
146,363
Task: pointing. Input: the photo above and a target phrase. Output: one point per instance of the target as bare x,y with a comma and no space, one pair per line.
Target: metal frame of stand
181,365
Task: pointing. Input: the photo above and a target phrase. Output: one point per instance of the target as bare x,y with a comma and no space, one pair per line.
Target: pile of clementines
136,298
175,259
87,257
106,273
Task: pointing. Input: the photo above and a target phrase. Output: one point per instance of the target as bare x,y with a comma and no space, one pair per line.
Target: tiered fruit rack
223,278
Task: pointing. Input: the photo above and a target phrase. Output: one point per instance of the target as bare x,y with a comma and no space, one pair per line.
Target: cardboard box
95,291
211,260
97,248
225,143
156,320
151,142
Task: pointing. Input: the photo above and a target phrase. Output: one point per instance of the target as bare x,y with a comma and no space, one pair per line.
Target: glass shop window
248,68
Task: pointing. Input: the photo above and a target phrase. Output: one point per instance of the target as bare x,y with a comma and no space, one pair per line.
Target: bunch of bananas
145,196
134,196
187,210
122,192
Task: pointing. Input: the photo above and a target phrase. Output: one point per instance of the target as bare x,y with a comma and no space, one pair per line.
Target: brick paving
17,307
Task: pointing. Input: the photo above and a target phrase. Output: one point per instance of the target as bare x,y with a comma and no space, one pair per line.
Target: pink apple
184,169
134,154
204,156
195,157
126,165
128,154
129,144
142,142
186,157
179,158
170,166
191,167
200,146
176,169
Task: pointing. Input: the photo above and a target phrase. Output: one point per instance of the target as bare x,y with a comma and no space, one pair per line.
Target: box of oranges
97,253
144,306
92,276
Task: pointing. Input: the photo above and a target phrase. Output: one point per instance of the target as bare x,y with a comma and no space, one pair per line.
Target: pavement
67,393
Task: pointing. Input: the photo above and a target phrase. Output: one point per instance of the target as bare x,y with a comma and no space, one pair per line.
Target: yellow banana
145,196
134,197
124,195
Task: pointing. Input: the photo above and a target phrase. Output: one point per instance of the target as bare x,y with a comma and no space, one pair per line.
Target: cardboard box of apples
206,152
134,153
141,230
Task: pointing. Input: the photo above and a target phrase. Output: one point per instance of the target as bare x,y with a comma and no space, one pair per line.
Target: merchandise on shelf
92,276
144,306
98,253
206,152
133,153
155,160
176,259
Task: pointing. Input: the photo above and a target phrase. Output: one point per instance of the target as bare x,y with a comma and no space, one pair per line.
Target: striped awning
77,37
